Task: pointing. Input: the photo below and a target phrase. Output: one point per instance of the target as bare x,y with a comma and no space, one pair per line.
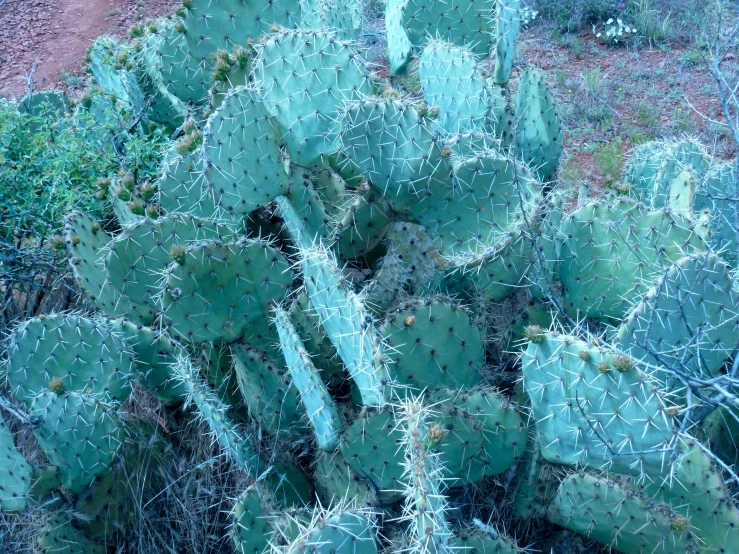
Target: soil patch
59,32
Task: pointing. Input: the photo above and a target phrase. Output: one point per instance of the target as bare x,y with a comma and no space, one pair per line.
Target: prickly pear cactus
337,531
242,162
242,279
692,292
304,77
79,433
614,248
351,312
250,530
433,343
15,474
69,353
595,407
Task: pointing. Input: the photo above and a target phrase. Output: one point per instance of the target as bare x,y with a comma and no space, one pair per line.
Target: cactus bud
603,367
56,385
152,210
584,355
680,523
135,207
435,436
410,320
147,190
534,334
622,362
178,253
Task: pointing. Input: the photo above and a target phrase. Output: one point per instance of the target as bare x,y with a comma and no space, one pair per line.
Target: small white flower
598,35
609,21
619,22
620,32
633,30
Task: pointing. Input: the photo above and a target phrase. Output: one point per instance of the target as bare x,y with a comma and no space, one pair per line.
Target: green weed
607,159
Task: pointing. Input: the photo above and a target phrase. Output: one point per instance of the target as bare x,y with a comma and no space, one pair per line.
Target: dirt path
59,32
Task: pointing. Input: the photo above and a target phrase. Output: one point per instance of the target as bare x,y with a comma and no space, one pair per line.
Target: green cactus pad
694,488
316,341
51,105
45,483
221,288
86,244
360,225
310,204
242,161
336,482
336,532
536,484
388,279
115,80
595,406
140,254
653,166
305,76
370,448
399,47
688,319
104,504
342,17
15,474
345,320
209,27
452,80
613,515
488,197
395,148
78,433
425,505
420,253
59,536
485,434
508,23
613,247
341,313
539,135
288,486
250,530
711,198
214,413
499,270
484,541
169,65
154,354
432,342
314,396
86,356
501,113
180,190
464,22
265,387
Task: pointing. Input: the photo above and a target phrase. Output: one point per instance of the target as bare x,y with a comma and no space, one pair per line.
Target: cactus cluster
325,274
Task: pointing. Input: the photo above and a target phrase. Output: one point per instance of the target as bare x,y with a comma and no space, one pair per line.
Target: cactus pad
78,433
83,355
219,289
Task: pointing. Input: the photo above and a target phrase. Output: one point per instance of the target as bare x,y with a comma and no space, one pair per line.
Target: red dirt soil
59,32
